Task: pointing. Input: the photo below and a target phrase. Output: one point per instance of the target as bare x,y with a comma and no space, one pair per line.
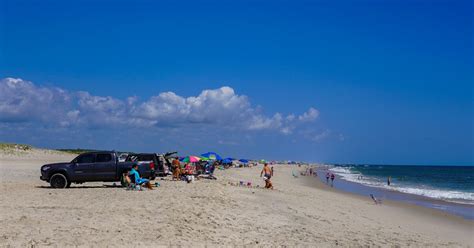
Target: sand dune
299,212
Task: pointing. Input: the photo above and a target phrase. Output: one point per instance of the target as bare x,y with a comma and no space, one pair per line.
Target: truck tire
59,181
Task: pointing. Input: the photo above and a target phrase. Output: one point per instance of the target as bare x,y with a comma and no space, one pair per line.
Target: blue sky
327,81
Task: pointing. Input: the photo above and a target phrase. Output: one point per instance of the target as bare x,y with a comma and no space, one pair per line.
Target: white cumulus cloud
23,101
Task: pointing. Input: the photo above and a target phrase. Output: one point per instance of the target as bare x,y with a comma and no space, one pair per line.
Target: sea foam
448,195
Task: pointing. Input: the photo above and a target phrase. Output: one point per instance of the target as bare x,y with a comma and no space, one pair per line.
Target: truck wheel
59,181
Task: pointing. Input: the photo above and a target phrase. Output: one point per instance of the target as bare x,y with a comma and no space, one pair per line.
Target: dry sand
299,212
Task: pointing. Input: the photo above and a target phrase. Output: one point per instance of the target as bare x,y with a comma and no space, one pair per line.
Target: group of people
188,171
133,177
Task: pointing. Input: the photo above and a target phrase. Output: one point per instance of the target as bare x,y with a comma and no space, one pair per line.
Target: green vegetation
81,150
10,147
76,151
21,148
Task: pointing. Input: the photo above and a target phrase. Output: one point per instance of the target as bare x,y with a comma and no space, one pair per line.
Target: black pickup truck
91,167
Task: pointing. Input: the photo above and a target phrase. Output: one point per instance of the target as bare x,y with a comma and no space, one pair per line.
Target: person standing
268,174
389,180
176,169
332,179
327,177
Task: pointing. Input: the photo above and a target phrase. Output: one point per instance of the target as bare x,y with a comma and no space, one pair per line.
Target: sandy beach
300,212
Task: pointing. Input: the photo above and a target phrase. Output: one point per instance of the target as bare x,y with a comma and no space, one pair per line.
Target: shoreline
317,183
463,210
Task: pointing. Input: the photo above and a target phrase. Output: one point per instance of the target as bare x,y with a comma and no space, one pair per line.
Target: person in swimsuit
332,179
176,169
327,177
268,174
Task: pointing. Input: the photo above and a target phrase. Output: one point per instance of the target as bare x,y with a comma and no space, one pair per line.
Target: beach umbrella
204,158
245,161
212,156
190,159
227,161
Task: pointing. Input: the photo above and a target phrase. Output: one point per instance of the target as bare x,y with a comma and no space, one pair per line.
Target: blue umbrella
212,156
245,161
227,161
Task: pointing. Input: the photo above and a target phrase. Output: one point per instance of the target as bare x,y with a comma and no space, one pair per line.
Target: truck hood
55,165
58,164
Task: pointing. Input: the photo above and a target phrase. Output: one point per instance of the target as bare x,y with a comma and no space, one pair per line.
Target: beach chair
376,201
132,185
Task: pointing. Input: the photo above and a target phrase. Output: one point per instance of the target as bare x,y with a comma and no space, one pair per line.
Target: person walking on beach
332,179
268,174
327,177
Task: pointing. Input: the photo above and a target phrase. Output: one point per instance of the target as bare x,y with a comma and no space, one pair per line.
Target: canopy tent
212,156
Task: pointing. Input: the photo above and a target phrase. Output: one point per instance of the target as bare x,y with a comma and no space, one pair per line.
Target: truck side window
86,158
146,158
103,157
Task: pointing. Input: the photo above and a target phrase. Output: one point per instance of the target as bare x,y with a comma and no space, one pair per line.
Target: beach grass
76,151
12,148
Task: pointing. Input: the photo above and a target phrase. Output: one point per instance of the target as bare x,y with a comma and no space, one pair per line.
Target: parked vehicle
123,157
91,167
161,162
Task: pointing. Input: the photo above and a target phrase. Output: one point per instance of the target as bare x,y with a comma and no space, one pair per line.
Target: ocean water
447,183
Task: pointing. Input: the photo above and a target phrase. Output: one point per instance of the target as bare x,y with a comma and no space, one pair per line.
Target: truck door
105,167
82,167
